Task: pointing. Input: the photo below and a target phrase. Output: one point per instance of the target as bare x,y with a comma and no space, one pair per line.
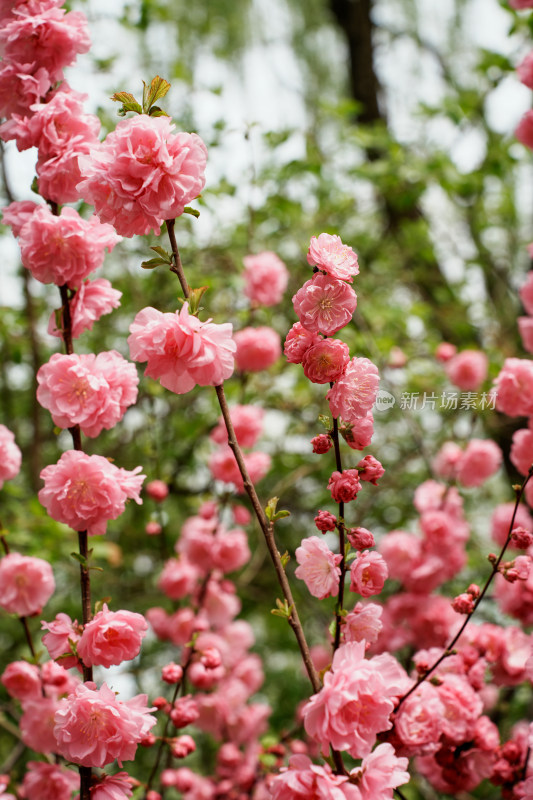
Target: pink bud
184,712
360,538
211,658
183,746
172,673
325,521
157,490
321,443
463,603
153,528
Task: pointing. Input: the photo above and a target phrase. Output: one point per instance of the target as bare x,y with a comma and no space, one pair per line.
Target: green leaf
163,253
195,297
157,89
129,103
79,558
152,263
285,558
281,515
325,420
270,508
192,211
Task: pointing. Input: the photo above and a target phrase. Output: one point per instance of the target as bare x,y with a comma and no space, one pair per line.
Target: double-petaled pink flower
318,567
325,304
325,361
180,350
26,584
86,491
328,253
265,278
10,455
111,637
298,342
142,174
368,573
92,300
354,394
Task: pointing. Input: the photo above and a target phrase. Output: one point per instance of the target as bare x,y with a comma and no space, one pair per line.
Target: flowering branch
342,544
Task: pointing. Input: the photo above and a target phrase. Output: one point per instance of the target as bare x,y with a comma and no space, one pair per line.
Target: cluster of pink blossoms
10,455
248,425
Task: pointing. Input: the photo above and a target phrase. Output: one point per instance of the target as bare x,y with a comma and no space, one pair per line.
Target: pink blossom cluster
87,390
247,421
470,467
10,455
265,278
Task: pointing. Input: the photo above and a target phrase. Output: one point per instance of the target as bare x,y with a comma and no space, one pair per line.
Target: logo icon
384,400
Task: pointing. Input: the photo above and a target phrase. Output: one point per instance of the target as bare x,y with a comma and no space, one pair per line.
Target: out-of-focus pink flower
521,4
142,174
318,567
303,780
172,673
10,455
298,341
419,719
44,781
445,351
22,680
17,214
26,584
365,689
93,727
325,521
180,350
47,37
463,603
153,528
324,304
370,469
183,746
112,787
344,486
328,253
321,443
230,550
480,460
184,712
325,362
445,462
525,326
86,491
61,632
65,248
111,637
157,490
397,358
380,773
37,724
257,348
526,293
224,467
353,395
514,388
521,539
363,622
265,278
468,369
501,521
178,578
92,391
92,300
524,130
241,515
368,573
525,70
247,424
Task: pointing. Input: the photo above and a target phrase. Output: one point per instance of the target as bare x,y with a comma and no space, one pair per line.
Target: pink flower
247,422
111,637
58,176
180,350
501,521
325,362
525,70
91,391
10,456
321,443
521,4
324,304
224,467
468,369
344,486
37,724
525,326
298,341
93,727
21,85
86,491
47,37
142,174
61,632
153,528
303,780
318,567
17,214
514,388
178,578
360,538
418,723
445,351
22,680
325,521
370,469
329,254
45,781
380,773
358,434
363,623
524,130
172,673
157,490
354,394
112,787
230,549
184,712
92,300
356,700
257,348
26,584
265,278
368,573
526,293
480,460
65,248
445,462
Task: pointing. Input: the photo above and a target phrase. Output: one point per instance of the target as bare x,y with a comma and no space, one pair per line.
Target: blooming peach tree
409,678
